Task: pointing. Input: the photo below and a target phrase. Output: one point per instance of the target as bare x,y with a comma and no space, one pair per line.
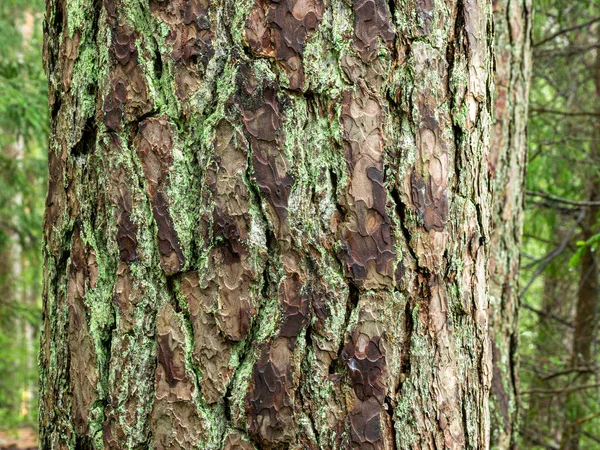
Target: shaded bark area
507,164
267,225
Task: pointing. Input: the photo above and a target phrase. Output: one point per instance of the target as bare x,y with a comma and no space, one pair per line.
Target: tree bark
267,225
507,164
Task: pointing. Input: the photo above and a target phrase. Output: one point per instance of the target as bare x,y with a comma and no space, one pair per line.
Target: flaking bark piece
365,360
270,400
212,349
296,306
154,143
122,197
83,359
190,40
225,179
232,275
270,167
69,57
175,418
367,233
171,256
235,441
236,308
279,29
371,23
127,231
128,93
432,209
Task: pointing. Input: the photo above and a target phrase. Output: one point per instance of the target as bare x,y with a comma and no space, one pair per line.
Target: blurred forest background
560,375
23,167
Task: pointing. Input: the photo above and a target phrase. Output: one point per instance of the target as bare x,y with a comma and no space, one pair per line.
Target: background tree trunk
586,311
267,225
507,163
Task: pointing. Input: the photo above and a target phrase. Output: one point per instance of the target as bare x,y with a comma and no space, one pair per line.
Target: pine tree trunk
507,163
267,225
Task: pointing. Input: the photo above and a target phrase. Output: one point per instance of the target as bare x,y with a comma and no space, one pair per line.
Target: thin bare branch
565,113
566,30
556,199
554,253
548,315
563,390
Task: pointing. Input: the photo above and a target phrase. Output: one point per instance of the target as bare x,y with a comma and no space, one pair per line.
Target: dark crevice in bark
482,231
97,7
303,401
392,7
58,19
334,184
138,120
158,65
87,143
394,49
65,251
54,113
514,354
388,408
83,443
249,56
465,421
457,133
336,365
455,47
226,403
459,21
170,285
405,365
353,296
401,212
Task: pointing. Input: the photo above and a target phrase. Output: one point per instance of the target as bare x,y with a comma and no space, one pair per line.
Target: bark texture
267,225
507,164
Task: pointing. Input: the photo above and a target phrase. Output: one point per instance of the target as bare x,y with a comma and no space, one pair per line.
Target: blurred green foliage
563,174
23,131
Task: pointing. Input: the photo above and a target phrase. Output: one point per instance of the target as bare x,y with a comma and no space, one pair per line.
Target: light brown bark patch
271,400
279,29
367,231
176,422
212,349
83,360
128,93
154,143
190,40
270,166
371,23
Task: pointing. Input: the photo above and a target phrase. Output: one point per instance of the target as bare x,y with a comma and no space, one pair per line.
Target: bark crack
387,406
336,365
401,212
